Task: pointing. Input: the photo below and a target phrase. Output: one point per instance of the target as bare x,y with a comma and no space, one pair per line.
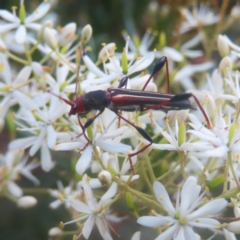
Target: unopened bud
86,34
26,202
151,87
235,12
145,152
225,66
105,177
234,227
50,38
48,24
54,232
68,33
222,45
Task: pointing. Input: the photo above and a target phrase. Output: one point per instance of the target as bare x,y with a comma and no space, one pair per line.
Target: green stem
181,158
145,177
232,168
150,169
139,195
15,58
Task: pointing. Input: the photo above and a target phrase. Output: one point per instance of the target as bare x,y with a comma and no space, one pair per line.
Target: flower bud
86,34
67,33
152,87
225,66
105,177
235,12
50,38
49,24
26,202
54,232
234,227
146,151
222,45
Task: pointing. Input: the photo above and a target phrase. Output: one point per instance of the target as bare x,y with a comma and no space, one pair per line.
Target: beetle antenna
65,100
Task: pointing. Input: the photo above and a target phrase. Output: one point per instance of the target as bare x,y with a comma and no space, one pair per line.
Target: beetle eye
74,107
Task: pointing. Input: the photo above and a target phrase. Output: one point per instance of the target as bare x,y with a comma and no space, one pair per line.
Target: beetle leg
143,133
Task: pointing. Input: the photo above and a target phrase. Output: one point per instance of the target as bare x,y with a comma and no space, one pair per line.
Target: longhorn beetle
121,99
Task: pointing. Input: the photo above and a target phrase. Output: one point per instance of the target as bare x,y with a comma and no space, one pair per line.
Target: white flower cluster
198,156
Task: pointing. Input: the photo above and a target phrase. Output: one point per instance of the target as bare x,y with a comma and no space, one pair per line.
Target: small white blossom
12,165
94,212
187,213
197,18
67,192
13,90
107,139
21,25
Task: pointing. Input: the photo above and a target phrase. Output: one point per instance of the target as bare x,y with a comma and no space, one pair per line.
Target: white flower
187,213
107,139
44,134
197,18
184,75
13,90
218,137
120,172
113,69
66,192
12,165
143,48
93,212
21,24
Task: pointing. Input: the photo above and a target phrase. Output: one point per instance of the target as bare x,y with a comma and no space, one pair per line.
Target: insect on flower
122,99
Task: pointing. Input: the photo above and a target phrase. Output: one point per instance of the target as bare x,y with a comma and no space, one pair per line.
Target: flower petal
21,143
79,206
88,226
8,16
152,221
163,198
41,10
46,159
68,146
20,34
110,192
141,64
38,142
51,136
103,228
111,146
8,27
84,161
14,189
212,208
